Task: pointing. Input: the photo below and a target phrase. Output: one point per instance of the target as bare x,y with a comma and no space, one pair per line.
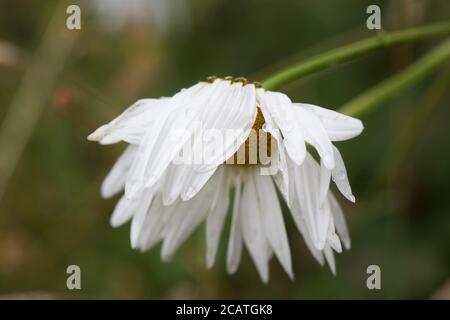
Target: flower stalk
348,52
366,101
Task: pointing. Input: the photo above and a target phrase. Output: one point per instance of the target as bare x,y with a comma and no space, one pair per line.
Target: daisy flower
166,199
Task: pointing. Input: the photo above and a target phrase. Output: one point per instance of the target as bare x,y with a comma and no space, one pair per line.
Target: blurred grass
52,215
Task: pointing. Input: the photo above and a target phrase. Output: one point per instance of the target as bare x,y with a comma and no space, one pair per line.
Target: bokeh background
56,86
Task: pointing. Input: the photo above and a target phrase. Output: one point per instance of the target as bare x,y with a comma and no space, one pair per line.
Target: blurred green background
64,84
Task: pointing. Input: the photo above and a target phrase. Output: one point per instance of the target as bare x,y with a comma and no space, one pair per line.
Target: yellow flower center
257,148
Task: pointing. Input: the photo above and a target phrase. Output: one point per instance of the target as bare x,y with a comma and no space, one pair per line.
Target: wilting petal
307,190
234,251
253,228
187,215
301,226
161,144
144,200
340,177
339,219
338,126
315,134
329,256
152,230
115,180
132,124
279,106
216,217
233,118
272,220
123,211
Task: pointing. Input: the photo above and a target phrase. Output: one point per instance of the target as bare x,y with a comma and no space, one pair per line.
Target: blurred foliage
51,214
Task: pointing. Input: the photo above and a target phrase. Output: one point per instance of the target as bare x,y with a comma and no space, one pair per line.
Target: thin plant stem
366,101
351,51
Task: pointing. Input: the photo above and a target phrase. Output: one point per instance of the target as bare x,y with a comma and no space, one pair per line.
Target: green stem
351,51
367,100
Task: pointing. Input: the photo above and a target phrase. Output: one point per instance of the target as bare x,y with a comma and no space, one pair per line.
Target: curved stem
345,53
367,100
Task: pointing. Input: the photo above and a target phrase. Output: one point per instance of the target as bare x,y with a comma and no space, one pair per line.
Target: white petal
281,178
144,200
216,218
234,250
253,229
233,117
136,175
184,121
338,126
324,184
174,181
301,226
153,225
279,106
115,180
329,256
132,124
307,191
333,239
323,220
339,219
123,211
340,177
185,219
195,182
315,134
272,220
159,145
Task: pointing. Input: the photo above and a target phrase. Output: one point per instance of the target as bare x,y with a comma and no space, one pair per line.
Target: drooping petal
216,217
234,250
123,211
272,220
232,119
340,177
132,124
180,128
175,178
329,256
323,220
144,201
339,219
195,182
279,106
324,182
160,143
315,134
338,126
253,228
187,215
115,180
152,230
301,226
307,192
278,158
333,239
136,175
